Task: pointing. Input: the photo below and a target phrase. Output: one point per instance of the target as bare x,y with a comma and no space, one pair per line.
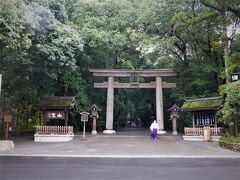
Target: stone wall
230,146
53,137
200,138
6,145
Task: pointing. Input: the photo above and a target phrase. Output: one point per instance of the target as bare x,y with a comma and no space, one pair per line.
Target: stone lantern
174,115
94,114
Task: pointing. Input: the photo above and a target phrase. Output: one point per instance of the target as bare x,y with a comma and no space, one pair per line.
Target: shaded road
47,168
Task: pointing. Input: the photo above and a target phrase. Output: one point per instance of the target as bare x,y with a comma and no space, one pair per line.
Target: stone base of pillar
162,132
109,131
94,132
174,133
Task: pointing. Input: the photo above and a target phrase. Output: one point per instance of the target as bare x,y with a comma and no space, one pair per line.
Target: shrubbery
230,114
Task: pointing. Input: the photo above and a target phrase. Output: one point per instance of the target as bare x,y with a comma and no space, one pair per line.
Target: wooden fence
215,131
54,129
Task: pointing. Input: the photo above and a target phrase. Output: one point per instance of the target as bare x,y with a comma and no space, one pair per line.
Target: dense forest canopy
48,46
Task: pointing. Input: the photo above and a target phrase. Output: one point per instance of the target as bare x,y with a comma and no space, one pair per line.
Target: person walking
154,129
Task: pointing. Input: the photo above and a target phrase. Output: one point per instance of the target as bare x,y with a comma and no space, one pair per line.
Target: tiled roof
56,102
174,108
203,104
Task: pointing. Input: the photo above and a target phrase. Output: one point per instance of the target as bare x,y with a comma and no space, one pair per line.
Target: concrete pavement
126,143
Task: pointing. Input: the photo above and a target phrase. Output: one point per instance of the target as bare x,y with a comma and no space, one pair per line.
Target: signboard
134,78
84,116
7,118
56,115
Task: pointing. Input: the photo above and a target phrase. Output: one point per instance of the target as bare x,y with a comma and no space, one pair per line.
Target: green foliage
47,47
233,62
181,16
223,6
202,17
233,94
230,114
12,35
75,85
17,130
230,139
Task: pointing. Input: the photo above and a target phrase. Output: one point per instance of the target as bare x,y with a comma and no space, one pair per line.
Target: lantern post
235,76
174,115
94,114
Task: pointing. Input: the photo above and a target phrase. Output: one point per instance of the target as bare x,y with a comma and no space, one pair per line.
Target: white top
154,125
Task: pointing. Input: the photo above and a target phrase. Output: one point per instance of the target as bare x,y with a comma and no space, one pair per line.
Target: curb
123,156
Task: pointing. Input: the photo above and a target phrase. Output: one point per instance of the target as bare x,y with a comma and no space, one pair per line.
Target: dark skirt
154,134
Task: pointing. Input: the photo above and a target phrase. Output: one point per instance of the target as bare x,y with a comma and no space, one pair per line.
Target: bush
230,139
231,143
17,130
230,114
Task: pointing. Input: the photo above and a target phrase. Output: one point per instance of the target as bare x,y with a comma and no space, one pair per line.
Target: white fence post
54,129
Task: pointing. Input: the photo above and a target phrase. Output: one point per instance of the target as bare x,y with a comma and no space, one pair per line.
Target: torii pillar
159,105
110,104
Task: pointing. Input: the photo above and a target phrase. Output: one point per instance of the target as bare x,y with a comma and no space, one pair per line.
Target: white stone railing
193,131
215,131
54,129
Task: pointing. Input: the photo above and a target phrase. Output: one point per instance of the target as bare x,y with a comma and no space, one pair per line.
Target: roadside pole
84,129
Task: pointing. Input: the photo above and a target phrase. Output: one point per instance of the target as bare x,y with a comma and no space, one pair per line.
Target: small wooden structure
203,115
55,108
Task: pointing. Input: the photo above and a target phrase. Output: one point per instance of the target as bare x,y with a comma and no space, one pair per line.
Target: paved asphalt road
46,168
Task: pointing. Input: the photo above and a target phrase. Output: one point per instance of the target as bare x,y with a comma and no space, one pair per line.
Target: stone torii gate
158,74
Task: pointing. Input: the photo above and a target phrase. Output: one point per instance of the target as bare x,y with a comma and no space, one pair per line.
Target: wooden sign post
84,119
7,119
